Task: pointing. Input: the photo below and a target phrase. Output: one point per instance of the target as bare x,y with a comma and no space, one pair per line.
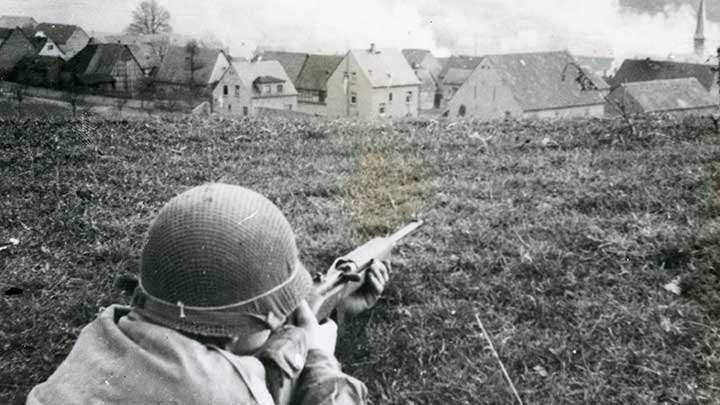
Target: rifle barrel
405,231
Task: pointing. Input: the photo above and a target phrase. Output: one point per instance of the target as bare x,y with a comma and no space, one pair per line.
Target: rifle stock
347,273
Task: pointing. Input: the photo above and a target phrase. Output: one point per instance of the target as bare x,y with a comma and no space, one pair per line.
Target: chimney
372,48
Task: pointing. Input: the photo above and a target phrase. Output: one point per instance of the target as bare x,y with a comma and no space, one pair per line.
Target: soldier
219,317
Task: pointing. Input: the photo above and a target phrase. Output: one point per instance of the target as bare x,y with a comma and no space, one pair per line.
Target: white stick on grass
497,356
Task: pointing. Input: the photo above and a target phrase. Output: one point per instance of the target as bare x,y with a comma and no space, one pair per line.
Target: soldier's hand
319,337
369,293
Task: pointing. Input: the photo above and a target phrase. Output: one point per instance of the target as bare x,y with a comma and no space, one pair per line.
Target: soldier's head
220,262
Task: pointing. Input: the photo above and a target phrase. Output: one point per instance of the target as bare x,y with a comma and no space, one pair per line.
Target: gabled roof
4,33
385,67
250,72
669,95
642,70
427,80
292,62
12,21
175,68
317,71
415,56
11,51
457,68
535,79
59,33
144,55
98,59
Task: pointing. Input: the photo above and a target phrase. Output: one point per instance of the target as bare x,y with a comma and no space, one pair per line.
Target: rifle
347,273
343,278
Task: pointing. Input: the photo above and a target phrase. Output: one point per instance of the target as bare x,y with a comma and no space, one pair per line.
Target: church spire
700,31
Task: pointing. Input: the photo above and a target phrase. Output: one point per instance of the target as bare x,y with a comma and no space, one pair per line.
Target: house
201,74
149,49
685,96
13,21
427,68
527,85
456,69
40,71
309,74
643,70
15,47
71,39
312,83
105,68
268,84
373,83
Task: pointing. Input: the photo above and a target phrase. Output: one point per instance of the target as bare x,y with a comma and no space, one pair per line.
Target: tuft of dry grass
382,192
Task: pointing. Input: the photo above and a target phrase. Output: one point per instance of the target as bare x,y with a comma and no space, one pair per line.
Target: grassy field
560,235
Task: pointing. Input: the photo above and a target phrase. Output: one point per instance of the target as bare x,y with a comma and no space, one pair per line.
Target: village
163,72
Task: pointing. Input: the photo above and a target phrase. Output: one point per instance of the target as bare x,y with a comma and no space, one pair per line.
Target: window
245,110
462,111
353,77
408,98
382,108
266,89
225,90
237,90
229,107
51,47
289,107
353,98
390,97
279,88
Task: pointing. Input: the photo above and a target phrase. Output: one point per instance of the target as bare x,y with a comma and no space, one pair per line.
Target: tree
149,18
159,46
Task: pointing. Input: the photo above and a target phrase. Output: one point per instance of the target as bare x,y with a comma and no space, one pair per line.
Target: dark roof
268,80
11,51
457,68
59,33
415,56
463,62
38,63
4,33
669,95
175,67
98,59
292,62
317,71
642,70
535,80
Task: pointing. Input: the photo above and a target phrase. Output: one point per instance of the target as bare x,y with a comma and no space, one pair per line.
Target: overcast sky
602,27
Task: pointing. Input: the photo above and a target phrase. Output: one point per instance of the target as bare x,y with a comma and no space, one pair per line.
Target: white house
373,84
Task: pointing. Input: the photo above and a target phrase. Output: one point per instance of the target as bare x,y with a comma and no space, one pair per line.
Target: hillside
559,235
